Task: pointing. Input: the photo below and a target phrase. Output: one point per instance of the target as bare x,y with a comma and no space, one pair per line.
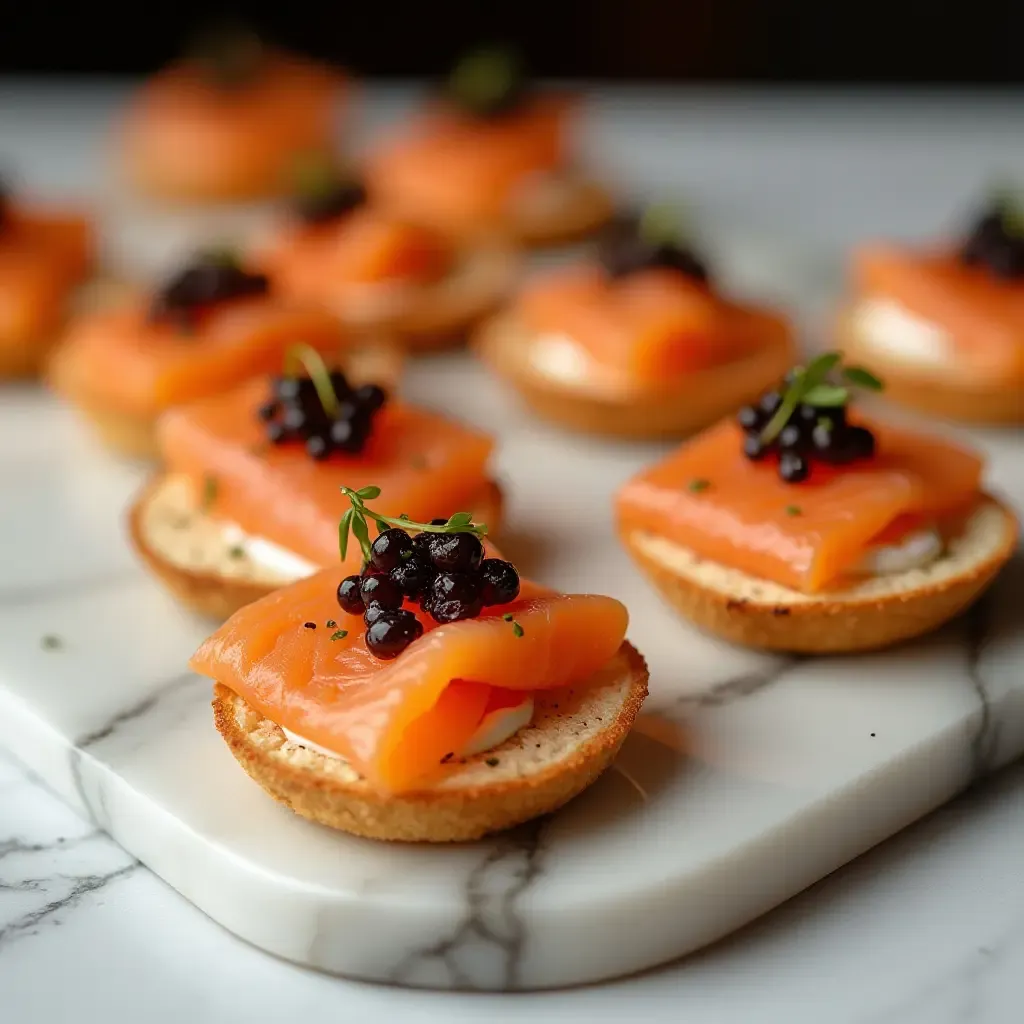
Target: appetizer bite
636,343
434,698
946,325
226,122
210,327
490,156
45,254
377,270
250,494
800,526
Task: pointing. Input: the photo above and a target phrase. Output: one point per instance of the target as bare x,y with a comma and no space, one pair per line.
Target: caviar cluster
624,249
297,413
210,278
994,244
811,433
445,573
322,202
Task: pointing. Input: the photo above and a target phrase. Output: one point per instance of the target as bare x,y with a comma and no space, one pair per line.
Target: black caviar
810,434
444,573
208,279
296,413
995,242
322,194
623,248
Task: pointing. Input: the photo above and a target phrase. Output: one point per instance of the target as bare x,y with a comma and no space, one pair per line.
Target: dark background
802,41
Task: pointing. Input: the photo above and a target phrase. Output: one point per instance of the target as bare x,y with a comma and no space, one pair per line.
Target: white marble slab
750,777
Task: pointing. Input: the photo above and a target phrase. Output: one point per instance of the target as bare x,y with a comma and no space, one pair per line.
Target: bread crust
218,596
982,405
688,406
754,613
440,316
487,793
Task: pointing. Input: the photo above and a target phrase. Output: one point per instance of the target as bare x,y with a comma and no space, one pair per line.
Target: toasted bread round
134,435
206,571
438,316
875,613
681,407
574,735
951,397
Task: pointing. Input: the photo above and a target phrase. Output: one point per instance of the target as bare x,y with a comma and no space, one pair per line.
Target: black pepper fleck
331,624
310,625
447,757
780,611
492,762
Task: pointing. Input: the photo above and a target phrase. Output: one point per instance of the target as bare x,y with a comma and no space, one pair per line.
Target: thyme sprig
354,521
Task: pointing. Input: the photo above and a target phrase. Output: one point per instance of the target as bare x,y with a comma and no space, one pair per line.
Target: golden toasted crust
135,436
870,615
573,738
218,595
953,399
684,408
439,316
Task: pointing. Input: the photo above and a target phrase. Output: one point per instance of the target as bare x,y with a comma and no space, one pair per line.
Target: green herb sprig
307,357
661,224
1010,204
354,521
487,80
811,385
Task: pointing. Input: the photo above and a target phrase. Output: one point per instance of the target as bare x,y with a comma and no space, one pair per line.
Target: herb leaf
368,493
697,485
804,382
862,378
460,519
517,630
339,634
827,396
343,528
307,356
362,534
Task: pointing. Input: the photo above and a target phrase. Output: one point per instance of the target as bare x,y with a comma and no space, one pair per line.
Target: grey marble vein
63,589
81,887
985,739
493,891
728,690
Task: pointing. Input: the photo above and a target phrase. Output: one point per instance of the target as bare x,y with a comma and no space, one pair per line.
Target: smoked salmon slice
648,326
185,135
396,721
453,170
364,247
423,463
42,256
123,360
984,316
708,498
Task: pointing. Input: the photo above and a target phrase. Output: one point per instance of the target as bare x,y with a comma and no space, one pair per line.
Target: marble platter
748,778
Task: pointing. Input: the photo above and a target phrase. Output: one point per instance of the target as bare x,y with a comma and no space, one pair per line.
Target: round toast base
868,616
990,405
574,735
696,401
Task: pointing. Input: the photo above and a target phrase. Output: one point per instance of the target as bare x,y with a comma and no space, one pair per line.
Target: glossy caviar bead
456,552
500,581
392,632
391,548
1007,259
287,389
370,396
422,540
454,610
374,612
769,403
793,468
754,448
318,447
414,576
791,437
207,280
862,441
456,596
276,433
349,596
381,590
749,418
267,411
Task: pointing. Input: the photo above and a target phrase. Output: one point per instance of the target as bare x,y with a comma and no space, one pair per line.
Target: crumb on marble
51,642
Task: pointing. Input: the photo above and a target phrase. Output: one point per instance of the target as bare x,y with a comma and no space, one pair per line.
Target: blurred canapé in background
794,41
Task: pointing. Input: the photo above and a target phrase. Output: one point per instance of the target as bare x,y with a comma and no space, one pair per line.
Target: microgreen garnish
308,357
697,485
794,510
51,642
660,224
330,624
210,486
1010,205
517,630
354,521
810,384
340,634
